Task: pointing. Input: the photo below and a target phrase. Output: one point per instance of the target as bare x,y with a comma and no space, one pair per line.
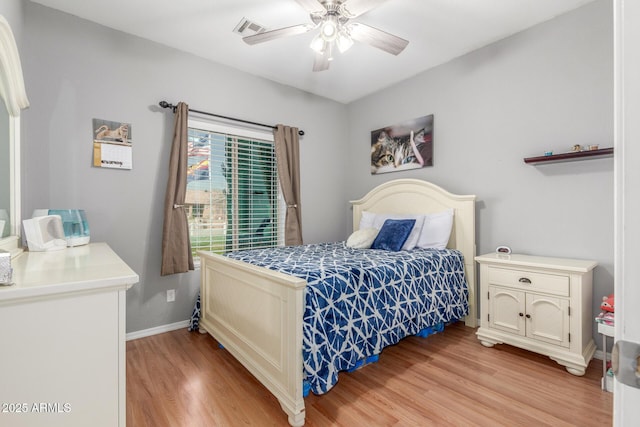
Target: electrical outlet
171,295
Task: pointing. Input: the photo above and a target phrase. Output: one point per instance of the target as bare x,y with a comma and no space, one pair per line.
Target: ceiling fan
333,19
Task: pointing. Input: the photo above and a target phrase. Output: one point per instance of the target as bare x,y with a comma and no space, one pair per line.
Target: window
233,195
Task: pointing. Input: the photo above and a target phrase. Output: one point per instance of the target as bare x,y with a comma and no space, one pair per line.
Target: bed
257,313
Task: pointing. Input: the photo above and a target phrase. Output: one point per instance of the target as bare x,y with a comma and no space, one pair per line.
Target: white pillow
436,230
363,238
375,220
367,219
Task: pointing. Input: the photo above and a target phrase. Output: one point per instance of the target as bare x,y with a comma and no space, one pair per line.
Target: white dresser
541,304
62,339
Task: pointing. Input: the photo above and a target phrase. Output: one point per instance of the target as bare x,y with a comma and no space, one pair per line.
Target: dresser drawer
554,284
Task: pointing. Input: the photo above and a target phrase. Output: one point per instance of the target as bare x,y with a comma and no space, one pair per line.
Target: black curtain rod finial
165,104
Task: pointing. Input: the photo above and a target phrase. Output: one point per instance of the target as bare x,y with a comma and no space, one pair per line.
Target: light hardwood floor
180,379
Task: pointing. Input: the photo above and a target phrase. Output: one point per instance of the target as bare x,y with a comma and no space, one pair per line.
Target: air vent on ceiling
248,28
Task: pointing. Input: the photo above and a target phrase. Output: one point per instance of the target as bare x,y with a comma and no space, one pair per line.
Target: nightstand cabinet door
548,319
507,310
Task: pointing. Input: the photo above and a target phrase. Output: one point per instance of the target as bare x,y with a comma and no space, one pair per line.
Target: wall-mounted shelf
570,157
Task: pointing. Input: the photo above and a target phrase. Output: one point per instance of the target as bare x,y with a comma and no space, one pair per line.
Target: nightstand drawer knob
525,280
521,314
528,316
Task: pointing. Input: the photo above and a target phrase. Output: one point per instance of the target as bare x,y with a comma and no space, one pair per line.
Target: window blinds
233,195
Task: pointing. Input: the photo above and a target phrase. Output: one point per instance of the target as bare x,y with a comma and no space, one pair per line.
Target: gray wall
549,87
76,71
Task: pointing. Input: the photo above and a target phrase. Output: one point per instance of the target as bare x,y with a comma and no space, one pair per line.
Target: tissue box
6,272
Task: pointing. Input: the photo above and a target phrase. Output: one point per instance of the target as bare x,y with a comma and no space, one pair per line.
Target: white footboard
256,314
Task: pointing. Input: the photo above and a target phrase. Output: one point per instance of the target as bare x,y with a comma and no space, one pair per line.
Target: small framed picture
112,147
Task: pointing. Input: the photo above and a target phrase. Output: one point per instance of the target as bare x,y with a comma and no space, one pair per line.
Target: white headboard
412,196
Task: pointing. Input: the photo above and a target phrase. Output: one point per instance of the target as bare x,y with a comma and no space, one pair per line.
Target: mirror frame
12,91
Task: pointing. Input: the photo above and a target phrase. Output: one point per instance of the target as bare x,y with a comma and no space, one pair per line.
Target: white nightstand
541,304
605,331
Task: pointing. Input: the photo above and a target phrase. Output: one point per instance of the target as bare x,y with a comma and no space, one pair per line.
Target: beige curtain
288,158
176,248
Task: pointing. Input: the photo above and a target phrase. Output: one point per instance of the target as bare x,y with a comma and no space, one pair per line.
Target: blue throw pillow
393,234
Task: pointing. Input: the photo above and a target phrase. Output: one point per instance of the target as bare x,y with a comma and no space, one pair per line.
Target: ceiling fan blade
276,34
377,38
358,7
311,6
321,62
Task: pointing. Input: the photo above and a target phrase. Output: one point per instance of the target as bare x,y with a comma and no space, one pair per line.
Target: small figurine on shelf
576,148
607,304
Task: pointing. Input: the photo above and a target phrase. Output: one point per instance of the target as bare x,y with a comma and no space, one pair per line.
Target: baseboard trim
598,355
157,330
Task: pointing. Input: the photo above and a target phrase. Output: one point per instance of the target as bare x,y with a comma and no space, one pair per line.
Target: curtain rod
165,104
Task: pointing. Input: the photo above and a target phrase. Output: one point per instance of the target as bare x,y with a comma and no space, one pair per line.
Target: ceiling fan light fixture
318,44
343,41
335,30
329,29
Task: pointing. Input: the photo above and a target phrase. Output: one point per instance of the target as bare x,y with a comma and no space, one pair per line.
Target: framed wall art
403,146
112,145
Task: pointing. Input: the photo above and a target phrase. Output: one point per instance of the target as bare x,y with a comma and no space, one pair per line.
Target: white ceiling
437,30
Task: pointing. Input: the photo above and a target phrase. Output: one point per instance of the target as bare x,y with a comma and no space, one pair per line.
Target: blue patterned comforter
359,301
